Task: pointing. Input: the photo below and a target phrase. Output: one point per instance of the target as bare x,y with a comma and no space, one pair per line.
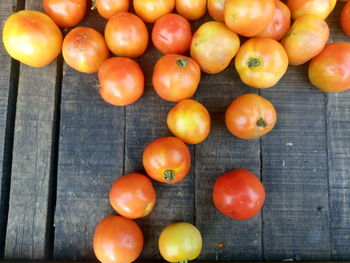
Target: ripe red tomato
108,8
65,13
191,9
190,121
216,9
117,240
248,18
330,70
132,195
121,81
176,77
319,8
172,34
126,35
32,38
167,160
84,49
151,10
250,116
238,194
345,19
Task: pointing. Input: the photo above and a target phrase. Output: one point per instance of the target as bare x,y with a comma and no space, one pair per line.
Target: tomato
238,194
261,62
65,13
172,34
191,9
190,121
319,8
280,23
27,34
176,77
250,116
117,240
213,47
121,81
216,9
167,160
305,39
248,18
126,35
108,8
84,49
151,10
345,19
180,242
330,70
132,195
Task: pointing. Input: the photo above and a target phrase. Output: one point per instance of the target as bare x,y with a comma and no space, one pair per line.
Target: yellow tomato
320,8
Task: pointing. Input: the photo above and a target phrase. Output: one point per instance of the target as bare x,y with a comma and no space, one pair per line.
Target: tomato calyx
253,62
93,5
261,123
183,261
169,175
182,62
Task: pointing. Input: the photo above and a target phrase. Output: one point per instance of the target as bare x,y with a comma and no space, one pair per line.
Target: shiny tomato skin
191,9
167,160
26,34
248,18
117,240
176,77
345,18
126,35
121,81
319,8
238,194
189,120
330,70
132,196
84,49
172,34
65,13
151,10
250,116
109,8
216,10
205,47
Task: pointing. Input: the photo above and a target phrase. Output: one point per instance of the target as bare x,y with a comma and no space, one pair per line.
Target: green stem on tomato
261,123
182,62
183,261
169,175
253,62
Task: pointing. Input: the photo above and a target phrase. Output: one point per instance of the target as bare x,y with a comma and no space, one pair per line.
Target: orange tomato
345,18
151,10
213,47
108,8
32,38
216,9
167,160
248,18
261,62
250,116
319,8
191,9
305,39
132,195
190,121
117,240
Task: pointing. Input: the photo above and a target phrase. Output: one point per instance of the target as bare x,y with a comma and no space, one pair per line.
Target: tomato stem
253,63
261,123
182,62
169,175
93,5
183,261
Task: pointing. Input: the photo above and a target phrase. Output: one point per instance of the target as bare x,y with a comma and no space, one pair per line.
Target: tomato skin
108,8
250,116
121,81
238,194
167,160
27,33
189,120
345,18
204,47
117,240
216,10
330,70
319,8
65,13
180,242
132,195
191,9
151,10
176,77
248,18
172,34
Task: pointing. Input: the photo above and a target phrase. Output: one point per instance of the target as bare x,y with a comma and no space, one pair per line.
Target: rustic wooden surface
61,147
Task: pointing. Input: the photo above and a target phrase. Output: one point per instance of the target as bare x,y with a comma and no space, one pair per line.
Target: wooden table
62,147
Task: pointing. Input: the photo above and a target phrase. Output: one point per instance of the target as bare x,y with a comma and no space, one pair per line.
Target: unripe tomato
319,8
191,9
345,19
151,10
216,9
108,8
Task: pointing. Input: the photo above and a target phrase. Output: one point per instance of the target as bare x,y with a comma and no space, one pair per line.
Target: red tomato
151,10
330,70
238,194
32,38
345,19
176,77
319,8
84,49
167,160
280,23
126,35
132,195
216,10
121,81
191,9
172,34
65,13
117,240
108,8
